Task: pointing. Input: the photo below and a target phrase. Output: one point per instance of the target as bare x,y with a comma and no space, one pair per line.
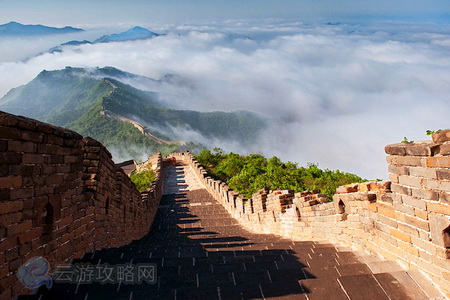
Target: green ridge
74,98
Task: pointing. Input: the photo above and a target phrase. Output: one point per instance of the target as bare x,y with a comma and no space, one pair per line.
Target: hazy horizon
145,12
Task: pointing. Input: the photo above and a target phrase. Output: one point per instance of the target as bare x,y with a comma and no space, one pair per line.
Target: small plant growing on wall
430,132
142,179
406,140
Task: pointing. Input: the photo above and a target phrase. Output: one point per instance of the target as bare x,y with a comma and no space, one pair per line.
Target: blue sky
57,12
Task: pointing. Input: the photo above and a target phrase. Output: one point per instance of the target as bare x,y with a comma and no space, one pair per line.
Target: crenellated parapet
61,195
405,219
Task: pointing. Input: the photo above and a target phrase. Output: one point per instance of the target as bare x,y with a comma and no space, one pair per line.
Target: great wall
62,196
142,129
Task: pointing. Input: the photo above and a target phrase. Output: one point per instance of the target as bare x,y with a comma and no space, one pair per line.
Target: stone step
430,290
386,266
398,285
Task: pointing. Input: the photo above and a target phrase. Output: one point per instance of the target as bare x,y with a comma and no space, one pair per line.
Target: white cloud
340,93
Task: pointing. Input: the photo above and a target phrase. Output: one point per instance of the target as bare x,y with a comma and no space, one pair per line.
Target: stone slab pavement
200,252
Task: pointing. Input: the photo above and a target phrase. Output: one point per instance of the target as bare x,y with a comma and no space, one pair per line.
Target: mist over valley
333,93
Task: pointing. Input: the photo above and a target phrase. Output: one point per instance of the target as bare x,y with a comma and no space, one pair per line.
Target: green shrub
143,179
248,174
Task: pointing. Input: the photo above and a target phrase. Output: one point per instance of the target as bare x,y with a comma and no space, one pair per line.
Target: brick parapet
406,219
61,196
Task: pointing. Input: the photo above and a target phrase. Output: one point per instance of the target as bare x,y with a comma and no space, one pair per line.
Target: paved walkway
202,253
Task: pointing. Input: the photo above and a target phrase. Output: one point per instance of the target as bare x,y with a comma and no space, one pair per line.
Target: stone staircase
202,253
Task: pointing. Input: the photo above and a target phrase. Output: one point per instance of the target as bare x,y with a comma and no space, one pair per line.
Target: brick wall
61,196
405,219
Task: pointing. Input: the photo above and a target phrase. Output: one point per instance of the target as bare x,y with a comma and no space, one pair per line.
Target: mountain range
135,33
17,29
129,121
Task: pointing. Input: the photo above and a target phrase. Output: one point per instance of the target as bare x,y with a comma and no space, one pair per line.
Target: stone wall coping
21,122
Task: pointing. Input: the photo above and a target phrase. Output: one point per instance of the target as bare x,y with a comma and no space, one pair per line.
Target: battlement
61,195
405,219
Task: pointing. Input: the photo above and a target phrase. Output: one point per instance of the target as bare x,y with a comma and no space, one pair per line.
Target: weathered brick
24,249
421,224
386,210
10,206
393,178
10,133
3,145
72,159
10,158
46,149
32,159
400,216
15,264
399,170
404,160
424,194
438,162
30,235
12,254
32,136
441,136
5,194
414,202
395,149
391,222
385,198
400,189
439,208
19,228
444,149
423,214
443,174
56,140
55,159
410,181
425,245
4,170
47,170
444,197
400,235
423,172
21,146
21,170
12,218
421,149
404,208
65,221
64,151
54,179
21,193
42,191
408,247
440,185
11,182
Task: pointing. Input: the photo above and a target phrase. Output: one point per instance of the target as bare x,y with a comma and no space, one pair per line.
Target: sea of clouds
336,93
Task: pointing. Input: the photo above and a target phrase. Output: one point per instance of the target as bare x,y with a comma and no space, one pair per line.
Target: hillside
127,120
